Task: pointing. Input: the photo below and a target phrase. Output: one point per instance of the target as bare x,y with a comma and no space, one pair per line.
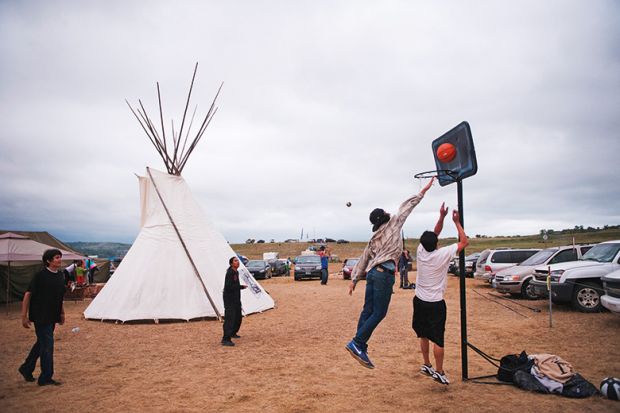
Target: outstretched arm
443,211
463,241
407,206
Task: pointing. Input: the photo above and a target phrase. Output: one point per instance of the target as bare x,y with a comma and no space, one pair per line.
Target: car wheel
527,291
587,298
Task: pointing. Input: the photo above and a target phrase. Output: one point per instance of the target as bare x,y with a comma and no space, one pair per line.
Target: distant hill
477,243
100,249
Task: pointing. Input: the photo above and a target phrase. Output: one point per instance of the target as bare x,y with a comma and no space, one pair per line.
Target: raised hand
456,217
428,186
443,211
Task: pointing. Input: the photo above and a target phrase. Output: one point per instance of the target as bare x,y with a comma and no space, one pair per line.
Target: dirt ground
292,358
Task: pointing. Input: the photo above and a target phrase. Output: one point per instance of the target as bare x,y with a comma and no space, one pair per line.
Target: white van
492,261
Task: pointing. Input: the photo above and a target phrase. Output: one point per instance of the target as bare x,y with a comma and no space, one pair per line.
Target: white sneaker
440,377
427,370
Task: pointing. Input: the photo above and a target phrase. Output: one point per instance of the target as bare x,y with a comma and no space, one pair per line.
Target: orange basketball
446,152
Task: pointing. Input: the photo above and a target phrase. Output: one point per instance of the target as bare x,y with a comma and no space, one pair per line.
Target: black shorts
429,320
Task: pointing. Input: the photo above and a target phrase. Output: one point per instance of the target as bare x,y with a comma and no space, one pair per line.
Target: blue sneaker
359,355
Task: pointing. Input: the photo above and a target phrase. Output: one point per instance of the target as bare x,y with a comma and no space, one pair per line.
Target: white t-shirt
432,277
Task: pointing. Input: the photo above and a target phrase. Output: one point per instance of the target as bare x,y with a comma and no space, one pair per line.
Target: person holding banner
232,303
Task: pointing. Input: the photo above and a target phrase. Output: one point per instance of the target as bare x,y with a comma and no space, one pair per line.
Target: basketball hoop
437,173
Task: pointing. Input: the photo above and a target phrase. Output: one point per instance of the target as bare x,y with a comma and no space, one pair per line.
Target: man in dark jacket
232,303
43,306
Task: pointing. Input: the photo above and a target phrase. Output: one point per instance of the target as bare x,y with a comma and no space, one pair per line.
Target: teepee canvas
175,268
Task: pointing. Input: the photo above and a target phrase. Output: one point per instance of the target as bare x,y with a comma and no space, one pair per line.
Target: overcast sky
324,103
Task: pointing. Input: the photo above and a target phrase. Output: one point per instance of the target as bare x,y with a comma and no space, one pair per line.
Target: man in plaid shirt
379,263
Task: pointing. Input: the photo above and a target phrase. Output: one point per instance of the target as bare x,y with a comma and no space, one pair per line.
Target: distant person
80,272
232,303
324,253
379,263
43,306
69,273
92,269
429,307
403,268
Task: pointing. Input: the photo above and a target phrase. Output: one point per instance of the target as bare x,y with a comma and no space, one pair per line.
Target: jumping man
429,307
379,263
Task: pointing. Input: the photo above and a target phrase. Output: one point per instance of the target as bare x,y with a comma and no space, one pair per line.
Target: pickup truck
579,282
611,299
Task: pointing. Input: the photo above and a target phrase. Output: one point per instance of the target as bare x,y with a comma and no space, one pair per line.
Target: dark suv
307,266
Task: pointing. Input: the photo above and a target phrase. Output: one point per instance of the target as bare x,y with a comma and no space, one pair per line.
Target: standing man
403,268
429,307
379,263
324,254
232,303
43,306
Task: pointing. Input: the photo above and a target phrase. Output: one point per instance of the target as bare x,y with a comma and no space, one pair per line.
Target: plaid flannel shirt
386,244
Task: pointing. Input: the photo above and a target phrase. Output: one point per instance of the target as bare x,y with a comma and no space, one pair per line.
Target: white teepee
176,266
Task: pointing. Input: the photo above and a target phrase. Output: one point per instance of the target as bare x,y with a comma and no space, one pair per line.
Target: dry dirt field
292,359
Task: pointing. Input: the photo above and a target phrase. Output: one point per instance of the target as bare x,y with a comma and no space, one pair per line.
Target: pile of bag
544,373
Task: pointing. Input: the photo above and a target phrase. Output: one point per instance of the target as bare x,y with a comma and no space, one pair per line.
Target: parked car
330,240
611,285
491,261
342,241
260,269
579,282
244,260
260,241
516,280
307,266
279,267
347,267
470,264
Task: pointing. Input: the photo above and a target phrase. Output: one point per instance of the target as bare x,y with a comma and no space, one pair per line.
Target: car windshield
472,257
309,259
540,257
255,264
601,252
351,262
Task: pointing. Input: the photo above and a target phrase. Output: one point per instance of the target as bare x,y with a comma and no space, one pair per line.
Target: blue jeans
324,275
376,302
43,348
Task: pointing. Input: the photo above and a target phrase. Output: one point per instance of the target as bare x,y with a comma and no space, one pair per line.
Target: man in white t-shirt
429,307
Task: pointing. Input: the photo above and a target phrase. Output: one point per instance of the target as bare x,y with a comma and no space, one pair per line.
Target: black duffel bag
511,363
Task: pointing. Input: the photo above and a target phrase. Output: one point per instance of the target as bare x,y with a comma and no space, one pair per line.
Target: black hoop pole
462,275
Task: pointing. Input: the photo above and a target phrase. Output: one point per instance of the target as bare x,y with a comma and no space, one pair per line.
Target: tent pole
217,313
8,280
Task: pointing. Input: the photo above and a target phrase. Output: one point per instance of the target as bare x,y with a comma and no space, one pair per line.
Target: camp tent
21,259
175,268
162,277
